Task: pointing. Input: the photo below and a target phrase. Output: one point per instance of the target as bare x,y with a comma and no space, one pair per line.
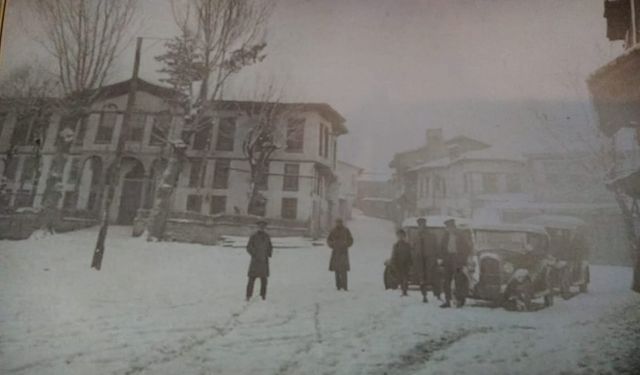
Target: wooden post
113,170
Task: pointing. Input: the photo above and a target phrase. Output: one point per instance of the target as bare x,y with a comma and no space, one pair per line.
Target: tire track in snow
189,343
291,364
424,351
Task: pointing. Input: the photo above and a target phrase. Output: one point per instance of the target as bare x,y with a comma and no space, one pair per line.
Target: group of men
424,255
434,264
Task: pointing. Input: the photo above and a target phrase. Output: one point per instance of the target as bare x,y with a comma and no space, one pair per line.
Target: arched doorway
133,182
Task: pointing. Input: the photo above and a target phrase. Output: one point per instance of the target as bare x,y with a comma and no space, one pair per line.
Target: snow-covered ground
169,308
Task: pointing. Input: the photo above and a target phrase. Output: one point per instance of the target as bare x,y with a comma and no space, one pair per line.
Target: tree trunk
157,221
111,182
52,195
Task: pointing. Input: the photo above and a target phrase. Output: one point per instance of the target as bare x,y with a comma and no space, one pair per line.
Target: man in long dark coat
401,260
425,247
260,249
340,240
454,252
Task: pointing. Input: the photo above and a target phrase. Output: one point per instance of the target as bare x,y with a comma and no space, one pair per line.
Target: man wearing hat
340,240
454,251
425,249
260,249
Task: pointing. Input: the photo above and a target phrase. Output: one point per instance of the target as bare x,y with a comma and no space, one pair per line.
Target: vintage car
510,266
569,250
435,224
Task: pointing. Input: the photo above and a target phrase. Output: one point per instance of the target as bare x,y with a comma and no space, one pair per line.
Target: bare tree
221,37
84,37
31,92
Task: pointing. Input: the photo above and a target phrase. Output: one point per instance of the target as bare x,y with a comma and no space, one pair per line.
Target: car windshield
500,240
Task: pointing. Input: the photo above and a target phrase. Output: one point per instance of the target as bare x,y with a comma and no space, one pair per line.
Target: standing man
401,260
340,240
260,249
454,251
425,247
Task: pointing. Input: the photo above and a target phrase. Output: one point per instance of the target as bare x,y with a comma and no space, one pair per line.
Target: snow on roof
555,221
376,199
484,154
439,163
434,221
491,153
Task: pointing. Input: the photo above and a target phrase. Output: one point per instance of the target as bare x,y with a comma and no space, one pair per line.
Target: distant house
451,177
301,188
348,175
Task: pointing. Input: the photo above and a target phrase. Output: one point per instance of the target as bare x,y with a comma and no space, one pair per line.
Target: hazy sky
396,67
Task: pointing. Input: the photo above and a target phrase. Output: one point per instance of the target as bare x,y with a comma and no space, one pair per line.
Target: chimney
434,138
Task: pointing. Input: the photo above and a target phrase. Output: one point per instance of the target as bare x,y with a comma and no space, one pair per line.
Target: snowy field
168,308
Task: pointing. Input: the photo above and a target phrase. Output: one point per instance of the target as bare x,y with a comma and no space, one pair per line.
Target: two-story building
301,186
454,176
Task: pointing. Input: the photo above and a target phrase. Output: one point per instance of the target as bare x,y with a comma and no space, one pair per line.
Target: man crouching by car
454,251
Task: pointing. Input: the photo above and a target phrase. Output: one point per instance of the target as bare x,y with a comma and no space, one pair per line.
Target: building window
195,178
30,129
160,128
467,182
11,167
513,183
262,181
291,177
136,126
289,208
202,134
326,142
106,125
70,200
24,198
490,183
3,118
221,174
295,135
29,167
74,171
321,144
217,204
226,134
194,203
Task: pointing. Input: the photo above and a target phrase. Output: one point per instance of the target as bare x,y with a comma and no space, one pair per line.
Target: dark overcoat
463,250
339,240
425,251
401,257
260,249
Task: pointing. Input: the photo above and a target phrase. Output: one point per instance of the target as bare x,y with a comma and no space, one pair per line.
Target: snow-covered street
170,308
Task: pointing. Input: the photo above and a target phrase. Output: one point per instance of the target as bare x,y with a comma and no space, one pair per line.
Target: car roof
555,221
509,227
435,221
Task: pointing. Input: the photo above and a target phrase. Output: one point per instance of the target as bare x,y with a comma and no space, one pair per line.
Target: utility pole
113,171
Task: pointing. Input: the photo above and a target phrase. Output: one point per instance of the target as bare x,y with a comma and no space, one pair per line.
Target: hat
421,220
449,222
261,221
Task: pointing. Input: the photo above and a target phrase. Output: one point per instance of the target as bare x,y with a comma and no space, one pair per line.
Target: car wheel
390,281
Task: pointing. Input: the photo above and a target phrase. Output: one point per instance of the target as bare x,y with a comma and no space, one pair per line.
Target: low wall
204,229
20,225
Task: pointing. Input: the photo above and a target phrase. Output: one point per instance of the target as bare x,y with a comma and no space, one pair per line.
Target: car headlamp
508,268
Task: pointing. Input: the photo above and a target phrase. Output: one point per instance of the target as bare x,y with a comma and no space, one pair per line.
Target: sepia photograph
319,187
